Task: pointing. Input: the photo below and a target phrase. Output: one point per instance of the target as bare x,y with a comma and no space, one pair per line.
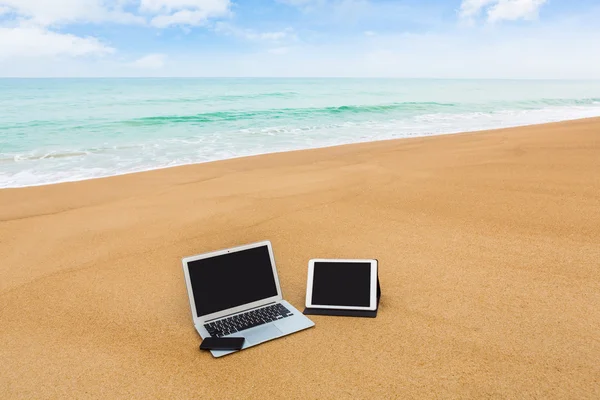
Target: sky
523,39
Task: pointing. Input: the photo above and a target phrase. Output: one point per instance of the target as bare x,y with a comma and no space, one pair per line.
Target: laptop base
264,333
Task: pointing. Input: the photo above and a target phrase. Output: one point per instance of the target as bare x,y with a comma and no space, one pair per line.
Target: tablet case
347,313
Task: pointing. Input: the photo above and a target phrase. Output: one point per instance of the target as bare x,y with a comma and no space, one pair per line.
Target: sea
58,130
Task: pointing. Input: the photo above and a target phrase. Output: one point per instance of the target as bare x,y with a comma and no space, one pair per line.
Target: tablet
342,284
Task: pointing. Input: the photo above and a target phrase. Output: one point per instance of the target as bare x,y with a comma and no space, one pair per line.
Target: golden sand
489,254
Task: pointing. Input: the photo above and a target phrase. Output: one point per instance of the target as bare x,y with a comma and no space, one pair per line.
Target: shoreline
476,131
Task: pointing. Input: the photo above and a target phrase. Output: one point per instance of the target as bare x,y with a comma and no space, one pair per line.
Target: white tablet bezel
309,285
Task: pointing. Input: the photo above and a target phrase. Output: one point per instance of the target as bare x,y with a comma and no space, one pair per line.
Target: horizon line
298,77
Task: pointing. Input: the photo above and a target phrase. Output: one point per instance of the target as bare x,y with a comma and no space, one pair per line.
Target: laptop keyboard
247,320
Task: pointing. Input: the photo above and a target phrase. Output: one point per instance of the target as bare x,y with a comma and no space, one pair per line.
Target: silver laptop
235,292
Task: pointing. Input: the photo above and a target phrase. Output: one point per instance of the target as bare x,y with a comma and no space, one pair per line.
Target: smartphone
225,343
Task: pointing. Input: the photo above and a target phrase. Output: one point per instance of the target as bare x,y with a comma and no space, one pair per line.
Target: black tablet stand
346,313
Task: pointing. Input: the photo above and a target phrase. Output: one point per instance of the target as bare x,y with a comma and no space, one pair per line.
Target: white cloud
184,12
473,8
33,32
515,9
38,42
370,33
150,61
498,10
45,13
250,34
160,13
183,18
36,28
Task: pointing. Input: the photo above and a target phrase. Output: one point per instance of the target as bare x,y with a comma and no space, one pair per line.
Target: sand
489,250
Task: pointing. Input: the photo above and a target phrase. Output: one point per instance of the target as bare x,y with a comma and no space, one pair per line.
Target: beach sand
489,251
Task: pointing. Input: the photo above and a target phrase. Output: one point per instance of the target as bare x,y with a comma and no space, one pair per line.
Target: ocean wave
279,113
301,113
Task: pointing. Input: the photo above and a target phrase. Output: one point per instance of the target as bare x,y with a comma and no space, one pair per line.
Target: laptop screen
231,280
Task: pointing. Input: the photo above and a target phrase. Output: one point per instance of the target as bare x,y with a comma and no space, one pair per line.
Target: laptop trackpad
262,334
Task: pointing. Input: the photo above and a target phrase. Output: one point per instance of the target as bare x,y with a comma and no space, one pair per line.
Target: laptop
235,292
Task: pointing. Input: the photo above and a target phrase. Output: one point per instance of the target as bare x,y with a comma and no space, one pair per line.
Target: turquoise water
56,130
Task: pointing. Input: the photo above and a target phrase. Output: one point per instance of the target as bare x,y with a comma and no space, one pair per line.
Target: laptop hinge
239,312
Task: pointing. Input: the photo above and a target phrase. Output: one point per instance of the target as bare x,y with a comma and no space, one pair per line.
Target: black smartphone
224,343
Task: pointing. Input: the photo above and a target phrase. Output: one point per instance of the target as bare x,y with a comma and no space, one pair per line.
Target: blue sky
364,38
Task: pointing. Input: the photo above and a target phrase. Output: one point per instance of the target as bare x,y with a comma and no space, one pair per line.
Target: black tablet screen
342,284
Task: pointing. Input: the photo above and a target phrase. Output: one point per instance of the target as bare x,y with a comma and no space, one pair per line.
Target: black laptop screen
342,284
231,280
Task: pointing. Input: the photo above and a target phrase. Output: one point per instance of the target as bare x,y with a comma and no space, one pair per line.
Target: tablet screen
342,284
